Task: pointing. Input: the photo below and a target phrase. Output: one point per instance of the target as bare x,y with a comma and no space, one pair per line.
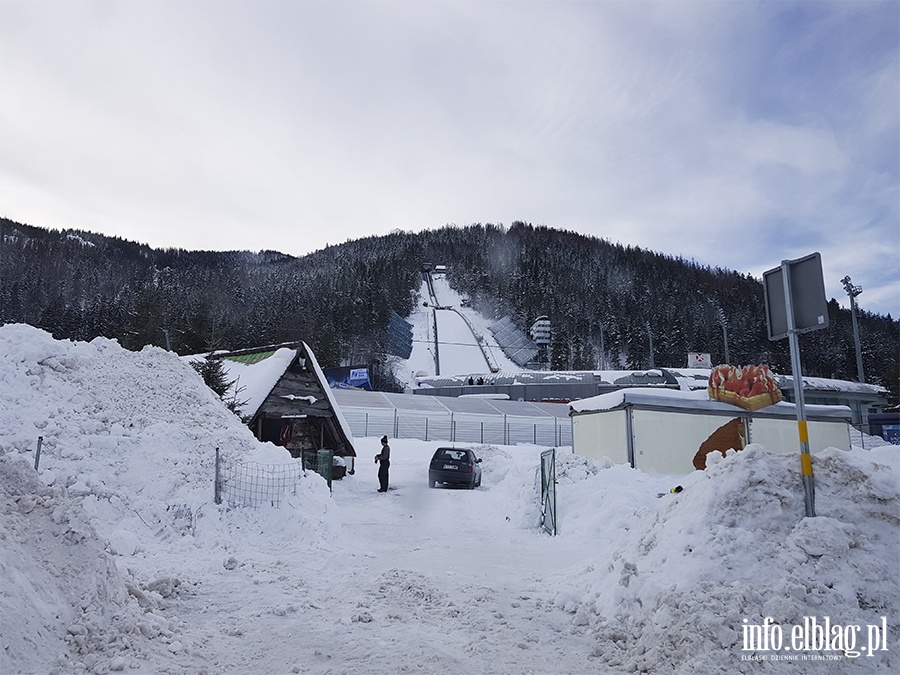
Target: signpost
699,360
795,303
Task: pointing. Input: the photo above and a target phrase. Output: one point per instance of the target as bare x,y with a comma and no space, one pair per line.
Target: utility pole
853,291
721,314
602,363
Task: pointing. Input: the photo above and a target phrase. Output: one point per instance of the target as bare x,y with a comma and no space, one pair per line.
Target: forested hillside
80,285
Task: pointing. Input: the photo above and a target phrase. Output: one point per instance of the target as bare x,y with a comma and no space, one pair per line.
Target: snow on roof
339,416
827,384
252,379
695,400
618,398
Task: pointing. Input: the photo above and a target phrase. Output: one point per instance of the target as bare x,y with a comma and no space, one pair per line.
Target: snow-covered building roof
284,397
672,399
533,385
610,378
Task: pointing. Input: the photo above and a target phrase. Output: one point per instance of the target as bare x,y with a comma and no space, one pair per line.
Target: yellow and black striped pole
806,468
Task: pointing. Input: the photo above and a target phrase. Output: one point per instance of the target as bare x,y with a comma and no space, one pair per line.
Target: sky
116,558
735,134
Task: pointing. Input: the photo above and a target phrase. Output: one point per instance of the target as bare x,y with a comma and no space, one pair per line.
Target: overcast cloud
737,134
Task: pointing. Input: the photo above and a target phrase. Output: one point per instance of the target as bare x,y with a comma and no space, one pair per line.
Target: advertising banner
348,377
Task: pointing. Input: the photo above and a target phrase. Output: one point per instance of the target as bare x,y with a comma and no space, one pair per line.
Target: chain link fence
459,427
252,484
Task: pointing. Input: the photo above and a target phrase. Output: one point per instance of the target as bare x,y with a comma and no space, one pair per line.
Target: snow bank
126,474
681,572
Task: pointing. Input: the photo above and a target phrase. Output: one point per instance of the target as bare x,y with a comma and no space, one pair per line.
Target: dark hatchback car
455,466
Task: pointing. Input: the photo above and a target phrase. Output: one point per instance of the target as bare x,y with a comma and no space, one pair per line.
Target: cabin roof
256,373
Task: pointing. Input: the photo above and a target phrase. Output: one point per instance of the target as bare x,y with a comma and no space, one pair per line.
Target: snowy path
437,581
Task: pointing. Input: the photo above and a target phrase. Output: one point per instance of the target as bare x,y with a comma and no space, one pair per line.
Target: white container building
661,430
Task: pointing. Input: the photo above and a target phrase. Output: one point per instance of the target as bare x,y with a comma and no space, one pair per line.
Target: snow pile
126,470
60,586
681,572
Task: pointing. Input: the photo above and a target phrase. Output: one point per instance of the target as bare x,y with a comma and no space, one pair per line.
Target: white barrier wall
666,442
597,436
781,436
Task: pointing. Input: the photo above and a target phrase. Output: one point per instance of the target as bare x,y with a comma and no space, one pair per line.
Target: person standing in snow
384,458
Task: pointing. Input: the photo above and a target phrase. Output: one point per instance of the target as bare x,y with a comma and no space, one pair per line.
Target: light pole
602,363
721,315
853,291
650,335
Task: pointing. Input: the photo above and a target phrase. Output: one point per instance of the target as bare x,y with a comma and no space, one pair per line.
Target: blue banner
348,377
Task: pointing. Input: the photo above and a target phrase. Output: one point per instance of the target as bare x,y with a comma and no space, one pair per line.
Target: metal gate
548,491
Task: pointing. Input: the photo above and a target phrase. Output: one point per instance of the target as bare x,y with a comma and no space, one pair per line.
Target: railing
459,427
863,437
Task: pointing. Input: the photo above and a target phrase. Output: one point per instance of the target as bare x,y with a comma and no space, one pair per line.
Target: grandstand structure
514,343
400,336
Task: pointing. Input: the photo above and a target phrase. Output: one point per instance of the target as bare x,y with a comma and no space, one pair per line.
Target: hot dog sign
750,387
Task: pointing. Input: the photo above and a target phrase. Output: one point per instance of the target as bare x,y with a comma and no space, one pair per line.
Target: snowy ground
114,557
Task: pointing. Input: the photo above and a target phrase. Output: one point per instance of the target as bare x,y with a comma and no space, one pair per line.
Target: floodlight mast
853,291
721,316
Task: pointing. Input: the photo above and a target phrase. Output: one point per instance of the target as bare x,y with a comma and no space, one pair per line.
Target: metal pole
602,363
721,315
725,338
859,363
217,490
37,454
437,359
806,468
853,291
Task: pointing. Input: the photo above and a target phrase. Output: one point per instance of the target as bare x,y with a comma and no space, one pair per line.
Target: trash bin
338,467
